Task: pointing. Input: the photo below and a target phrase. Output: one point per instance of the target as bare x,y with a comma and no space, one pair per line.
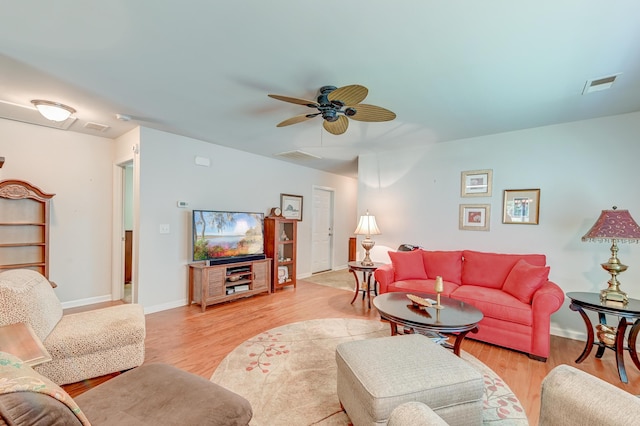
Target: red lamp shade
614,225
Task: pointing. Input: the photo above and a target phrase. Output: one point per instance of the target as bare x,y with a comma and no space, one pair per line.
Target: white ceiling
448,69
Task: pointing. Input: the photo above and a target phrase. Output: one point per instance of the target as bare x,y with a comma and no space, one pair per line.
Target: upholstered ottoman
377,375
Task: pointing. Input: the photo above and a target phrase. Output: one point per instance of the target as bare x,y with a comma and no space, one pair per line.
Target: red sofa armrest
384,275
547,300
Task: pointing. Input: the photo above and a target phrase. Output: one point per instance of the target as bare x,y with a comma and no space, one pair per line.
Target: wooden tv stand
209,285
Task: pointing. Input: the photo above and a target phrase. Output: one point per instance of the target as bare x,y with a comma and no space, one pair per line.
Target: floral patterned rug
288,374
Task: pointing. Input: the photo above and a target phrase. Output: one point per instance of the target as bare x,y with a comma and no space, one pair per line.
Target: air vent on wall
28,114
298,155
96,126
598,84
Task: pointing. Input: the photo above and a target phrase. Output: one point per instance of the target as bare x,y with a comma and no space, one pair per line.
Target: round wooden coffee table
457,318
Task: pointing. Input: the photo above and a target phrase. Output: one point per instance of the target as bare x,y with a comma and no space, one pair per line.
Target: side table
364,286
628,313
20,340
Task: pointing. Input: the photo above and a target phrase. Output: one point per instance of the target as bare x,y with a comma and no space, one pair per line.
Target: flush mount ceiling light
53,111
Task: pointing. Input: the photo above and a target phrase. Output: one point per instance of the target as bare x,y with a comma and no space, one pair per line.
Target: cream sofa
569,397
82,345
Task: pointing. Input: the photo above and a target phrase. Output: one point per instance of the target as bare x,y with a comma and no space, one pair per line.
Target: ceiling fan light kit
335,105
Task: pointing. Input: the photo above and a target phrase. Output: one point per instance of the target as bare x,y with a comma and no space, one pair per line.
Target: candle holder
439,288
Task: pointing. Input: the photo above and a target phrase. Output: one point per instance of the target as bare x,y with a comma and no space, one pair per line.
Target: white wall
581,168
78,169
235,181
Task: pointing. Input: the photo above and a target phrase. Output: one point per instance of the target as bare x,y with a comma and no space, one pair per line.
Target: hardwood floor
197,342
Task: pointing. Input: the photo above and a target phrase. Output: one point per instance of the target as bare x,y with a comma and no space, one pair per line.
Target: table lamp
367,227
615,226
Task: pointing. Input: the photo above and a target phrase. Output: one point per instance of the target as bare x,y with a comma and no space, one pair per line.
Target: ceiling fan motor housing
330,114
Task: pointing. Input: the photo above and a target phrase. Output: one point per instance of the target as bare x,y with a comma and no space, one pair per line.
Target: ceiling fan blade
337,127
366,112
349,95
296,119
298,101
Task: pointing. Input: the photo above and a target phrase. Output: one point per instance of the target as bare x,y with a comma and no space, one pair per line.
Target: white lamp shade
52,110
367,226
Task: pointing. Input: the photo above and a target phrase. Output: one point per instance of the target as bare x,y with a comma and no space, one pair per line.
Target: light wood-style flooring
197,342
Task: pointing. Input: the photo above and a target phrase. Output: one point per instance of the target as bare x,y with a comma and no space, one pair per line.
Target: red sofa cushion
524,279
495,303
408,265
447,264
491,269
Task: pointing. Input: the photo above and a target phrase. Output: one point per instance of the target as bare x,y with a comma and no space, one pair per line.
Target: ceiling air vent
96,126
598,84
298,155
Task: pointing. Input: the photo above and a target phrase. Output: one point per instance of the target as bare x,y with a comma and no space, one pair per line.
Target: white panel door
322,230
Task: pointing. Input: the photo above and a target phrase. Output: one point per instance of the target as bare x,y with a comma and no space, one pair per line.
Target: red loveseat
512,291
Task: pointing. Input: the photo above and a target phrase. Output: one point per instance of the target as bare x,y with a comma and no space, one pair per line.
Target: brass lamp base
367,244
614,267
611,294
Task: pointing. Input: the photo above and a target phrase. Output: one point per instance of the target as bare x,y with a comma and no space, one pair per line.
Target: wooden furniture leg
622,327
633,335
587,347
459,338
355,276
602,318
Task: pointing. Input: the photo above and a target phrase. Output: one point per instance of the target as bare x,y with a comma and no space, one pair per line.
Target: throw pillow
525,279
408,265
491,269
447,264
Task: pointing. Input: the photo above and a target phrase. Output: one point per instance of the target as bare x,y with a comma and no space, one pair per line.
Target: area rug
288,374
341,279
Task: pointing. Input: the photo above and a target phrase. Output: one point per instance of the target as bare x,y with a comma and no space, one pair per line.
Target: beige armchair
572,397
82,345
569,397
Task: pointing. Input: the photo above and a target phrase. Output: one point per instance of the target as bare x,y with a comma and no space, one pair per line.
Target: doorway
322,229
127,214
122,268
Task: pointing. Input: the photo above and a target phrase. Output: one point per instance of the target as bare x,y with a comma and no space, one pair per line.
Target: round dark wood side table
364,286
627,313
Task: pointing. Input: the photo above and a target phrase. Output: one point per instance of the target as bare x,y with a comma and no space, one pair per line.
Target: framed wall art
521,206
476,183
475,217
291,206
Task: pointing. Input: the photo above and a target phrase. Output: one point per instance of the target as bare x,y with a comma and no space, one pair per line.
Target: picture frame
476,183
474,217
291,206
521,206
283,274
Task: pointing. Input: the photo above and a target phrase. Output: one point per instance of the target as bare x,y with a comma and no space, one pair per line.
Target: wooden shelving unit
281,240
24,226
209,285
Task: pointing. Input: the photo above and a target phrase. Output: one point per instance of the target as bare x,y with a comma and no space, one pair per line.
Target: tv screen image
220,234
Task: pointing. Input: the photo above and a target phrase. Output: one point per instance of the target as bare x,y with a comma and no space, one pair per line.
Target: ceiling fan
335,105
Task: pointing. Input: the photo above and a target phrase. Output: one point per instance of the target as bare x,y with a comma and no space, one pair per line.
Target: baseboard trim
87,301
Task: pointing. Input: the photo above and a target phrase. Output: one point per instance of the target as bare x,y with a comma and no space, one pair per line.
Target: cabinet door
216,282
260,275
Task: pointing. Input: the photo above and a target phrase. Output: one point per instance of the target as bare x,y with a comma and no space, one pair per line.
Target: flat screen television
227,236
